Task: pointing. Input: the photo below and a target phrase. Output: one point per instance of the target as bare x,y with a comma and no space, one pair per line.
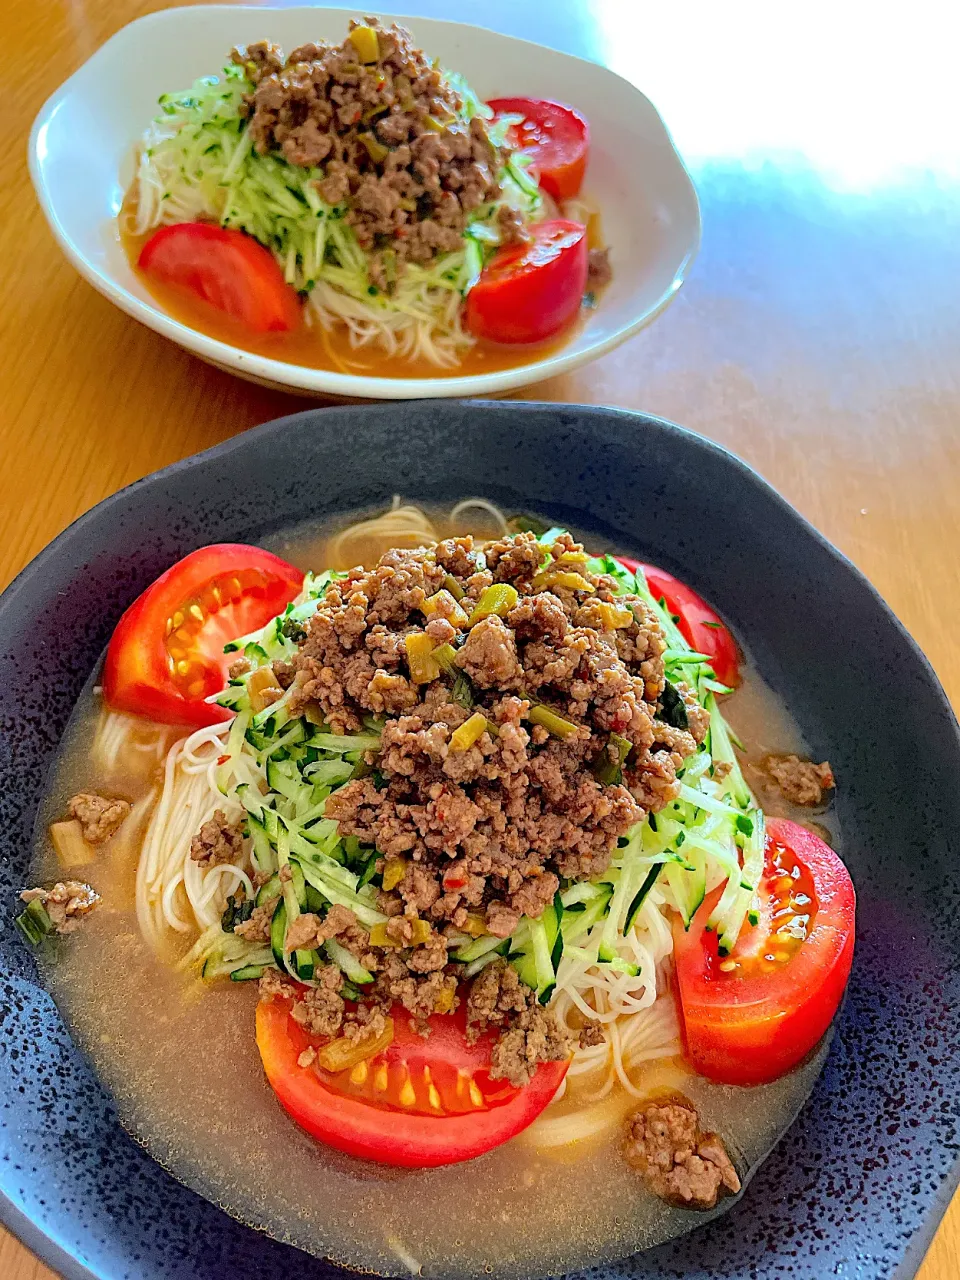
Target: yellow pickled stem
393,872
359,1073
380,1078
476,1097
408,1095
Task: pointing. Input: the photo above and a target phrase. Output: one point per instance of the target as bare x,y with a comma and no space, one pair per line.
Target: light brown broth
181,1061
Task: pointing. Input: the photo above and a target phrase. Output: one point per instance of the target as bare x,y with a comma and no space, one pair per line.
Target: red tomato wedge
757,1017
225,268
419,1103
529,292
166,654
699,625
556,137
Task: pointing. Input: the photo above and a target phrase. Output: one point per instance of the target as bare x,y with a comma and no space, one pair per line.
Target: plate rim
301,378
47,1246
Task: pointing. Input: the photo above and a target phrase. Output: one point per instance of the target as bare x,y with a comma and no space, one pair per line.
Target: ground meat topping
515,807
599,272
66,903
389,134
99,817
308,931
680,1163
217,841
800,781
530,1035
257,927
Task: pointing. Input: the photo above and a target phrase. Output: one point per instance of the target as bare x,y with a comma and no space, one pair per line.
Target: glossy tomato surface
166,654
530,292
422,1102
701,626
227,269
750,1017
555,137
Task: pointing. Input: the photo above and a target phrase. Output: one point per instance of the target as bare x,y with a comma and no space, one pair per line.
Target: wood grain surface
818,336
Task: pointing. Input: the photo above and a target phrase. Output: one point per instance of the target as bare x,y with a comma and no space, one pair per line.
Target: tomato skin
555,136
530,292
753,1028
227,269
699,625
137,675
389,1135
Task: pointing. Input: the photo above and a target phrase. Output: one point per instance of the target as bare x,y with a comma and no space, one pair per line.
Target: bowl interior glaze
859,1183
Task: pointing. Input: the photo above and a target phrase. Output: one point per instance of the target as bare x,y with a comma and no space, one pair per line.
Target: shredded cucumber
198,162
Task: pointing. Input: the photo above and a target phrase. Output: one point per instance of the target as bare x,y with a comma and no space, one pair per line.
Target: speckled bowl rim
46,1246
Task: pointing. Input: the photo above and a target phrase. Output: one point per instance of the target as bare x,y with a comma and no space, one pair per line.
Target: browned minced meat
531,1034
257,927
491,828
680,1163
309,931
388,137
599,271
591,1034
99,817
67,902
800,781
321,1009
217,840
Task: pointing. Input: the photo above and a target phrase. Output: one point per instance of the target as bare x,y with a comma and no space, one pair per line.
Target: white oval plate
83,142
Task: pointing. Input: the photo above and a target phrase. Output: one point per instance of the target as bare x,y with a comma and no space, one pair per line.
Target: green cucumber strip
584,891
269,890
475,966
278,930
576,924
640,896
348,963
480,947
541,955
362,909
340,743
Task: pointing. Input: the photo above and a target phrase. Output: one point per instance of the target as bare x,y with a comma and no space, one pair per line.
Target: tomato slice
225,268
556,137
529,292
751,1017
166,654
422,1102
699,625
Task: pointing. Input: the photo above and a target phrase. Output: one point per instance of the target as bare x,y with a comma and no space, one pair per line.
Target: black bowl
859,1183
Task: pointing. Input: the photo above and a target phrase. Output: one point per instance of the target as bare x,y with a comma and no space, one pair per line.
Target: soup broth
180,1058
315,347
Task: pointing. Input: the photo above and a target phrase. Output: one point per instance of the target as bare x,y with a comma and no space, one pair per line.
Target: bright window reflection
864,93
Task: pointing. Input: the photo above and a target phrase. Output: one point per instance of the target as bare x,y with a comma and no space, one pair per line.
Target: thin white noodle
481,504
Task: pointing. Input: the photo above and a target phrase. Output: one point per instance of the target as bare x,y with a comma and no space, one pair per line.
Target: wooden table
818,337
